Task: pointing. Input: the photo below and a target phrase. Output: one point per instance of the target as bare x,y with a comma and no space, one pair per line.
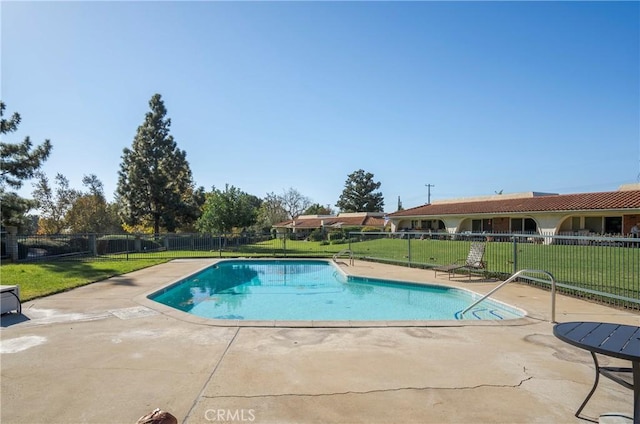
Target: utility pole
428,186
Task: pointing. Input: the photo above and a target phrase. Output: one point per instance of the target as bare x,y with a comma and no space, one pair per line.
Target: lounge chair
10,299
474,262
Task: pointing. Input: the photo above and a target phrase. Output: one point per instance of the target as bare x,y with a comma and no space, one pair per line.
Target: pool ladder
344,252
513,277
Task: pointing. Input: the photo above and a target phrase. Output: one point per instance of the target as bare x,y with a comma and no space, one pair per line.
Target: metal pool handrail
342,252
513,277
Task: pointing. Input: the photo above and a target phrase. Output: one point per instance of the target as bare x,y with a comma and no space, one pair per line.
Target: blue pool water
312,290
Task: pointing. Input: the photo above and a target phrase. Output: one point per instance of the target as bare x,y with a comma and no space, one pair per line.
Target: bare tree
294,203
271,211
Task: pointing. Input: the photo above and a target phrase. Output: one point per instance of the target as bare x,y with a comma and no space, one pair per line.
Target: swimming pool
317,290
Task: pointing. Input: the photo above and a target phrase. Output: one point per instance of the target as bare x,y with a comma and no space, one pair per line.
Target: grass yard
575,264
45,278
269,248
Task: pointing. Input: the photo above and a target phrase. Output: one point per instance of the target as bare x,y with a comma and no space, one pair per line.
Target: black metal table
615,340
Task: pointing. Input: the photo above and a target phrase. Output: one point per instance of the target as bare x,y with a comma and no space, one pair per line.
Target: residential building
612,213
303,225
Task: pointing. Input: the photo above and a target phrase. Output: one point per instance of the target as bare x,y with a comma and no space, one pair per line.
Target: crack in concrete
213,372
367,392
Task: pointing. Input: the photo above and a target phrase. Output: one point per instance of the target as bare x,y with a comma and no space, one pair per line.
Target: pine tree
18,162
359,194
155,184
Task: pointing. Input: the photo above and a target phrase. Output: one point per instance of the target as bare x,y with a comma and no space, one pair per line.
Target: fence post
284,243
409,250
515,254
12,242
93,246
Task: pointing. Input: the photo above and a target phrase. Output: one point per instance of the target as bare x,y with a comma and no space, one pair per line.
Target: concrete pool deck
103,353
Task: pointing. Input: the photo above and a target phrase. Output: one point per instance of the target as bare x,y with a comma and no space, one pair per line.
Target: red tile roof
611,200
347,221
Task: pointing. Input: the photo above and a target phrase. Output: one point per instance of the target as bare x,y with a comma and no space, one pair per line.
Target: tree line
155,191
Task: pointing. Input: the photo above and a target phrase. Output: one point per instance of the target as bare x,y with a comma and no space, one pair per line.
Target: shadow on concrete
8,320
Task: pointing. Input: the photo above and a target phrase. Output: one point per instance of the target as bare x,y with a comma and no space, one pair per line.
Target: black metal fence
605,269
601,268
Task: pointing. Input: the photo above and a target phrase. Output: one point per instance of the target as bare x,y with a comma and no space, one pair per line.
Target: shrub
79,244
150,244
41,246
127,243
316,235
347,230
371,229
202,241
335,235
115,244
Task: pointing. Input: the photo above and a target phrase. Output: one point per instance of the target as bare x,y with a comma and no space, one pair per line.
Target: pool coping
144,300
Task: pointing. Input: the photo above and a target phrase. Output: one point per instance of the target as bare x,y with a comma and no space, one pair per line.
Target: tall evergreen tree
155,184
359,194
18,162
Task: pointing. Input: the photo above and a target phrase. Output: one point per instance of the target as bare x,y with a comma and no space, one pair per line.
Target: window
526,225
613,224
516,225
530,226
593,224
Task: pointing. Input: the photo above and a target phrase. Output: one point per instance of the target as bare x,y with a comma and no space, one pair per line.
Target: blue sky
472,97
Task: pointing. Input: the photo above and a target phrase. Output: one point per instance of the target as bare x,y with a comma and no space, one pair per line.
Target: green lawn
275,248
45,278
594,267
